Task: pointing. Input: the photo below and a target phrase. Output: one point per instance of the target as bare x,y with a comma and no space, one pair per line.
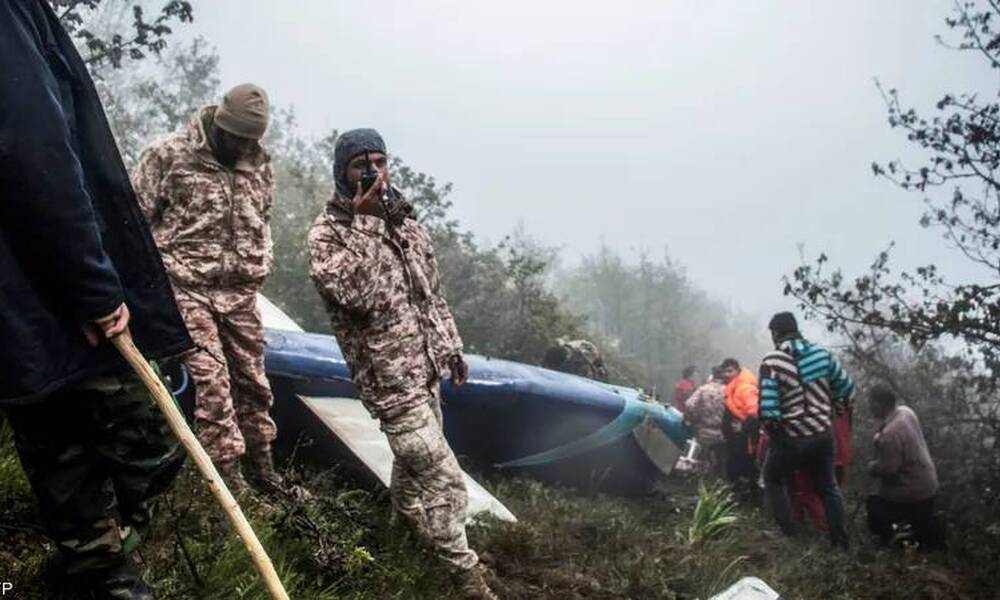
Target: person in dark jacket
739,428
77,265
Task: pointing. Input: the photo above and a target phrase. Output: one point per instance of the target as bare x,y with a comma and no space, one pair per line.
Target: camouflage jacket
703,412
383,292
211,223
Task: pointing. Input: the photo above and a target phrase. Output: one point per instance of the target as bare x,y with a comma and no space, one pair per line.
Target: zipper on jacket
397,246
232,224
226,275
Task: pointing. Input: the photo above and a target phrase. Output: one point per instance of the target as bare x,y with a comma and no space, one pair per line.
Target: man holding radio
374,266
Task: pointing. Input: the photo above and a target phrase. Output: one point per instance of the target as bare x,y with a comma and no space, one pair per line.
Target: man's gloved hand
108,326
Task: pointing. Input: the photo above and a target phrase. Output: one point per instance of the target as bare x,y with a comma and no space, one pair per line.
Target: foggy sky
724,133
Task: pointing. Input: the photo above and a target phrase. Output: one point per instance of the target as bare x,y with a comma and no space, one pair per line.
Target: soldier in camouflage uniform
206,193
579,357
374,266
703,413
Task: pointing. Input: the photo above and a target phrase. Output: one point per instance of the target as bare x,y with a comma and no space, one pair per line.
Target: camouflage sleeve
693,409
265,214
268,202
339,274
146,179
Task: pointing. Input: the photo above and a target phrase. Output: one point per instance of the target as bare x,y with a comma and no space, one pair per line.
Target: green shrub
714,514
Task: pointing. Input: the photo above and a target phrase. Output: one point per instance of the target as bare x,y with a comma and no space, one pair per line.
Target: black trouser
741,466
96,456
815,455
884,517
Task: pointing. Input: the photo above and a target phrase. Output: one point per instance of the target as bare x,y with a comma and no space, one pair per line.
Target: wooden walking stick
180,428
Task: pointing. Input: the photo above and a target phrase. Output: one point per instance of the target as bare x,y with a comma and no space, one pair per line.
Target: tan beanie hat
243,111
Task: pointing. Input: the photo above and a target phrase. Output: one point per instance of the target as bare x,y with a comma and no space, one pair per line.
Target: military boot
118,583
261,472
472,584
232,475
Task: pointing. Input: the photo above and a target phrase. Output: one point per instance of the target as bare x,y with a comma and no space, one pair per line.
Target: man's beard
226,157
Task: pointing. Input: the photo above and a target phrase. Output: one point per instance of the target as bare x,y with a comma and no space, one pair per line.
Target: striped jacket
801,386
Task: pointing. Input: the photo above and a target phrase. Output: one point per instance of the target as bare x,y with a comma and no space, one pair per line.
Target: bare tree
960,183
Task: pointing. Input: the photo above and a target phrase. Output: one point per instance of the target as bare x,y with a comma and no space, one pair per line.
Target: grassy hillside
568,544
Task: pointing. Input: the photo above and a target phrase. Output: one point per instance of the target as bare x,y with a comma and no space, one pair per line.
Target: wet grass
567,545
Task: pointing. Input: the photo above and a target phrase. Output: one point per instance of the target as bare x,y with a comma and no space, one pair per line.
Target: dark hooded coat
73,243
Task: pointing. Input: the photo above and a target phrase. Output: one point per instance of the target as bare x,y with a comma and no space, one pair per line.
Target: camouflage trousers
96,455
428,487
232,395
